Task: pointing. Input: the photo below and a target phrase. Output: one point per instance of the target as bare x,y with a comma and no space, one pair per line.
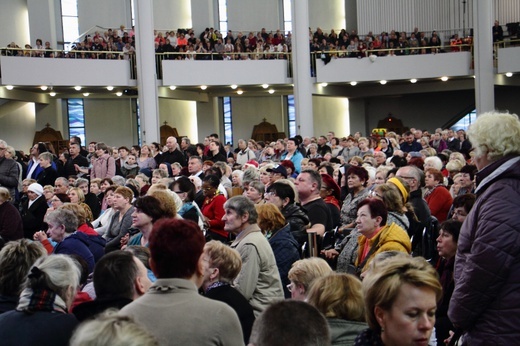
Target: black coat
32,217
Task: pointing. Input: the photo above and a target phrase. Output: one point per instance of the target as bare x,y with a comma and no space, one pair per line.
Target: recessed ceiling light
44,87
271,91
77,88
353,83
119,93
234,86
203,87
86,94
240,92
509,74
324,84
110,88
9,87
265,86
413,80
383,82
444,78
52,94
173,87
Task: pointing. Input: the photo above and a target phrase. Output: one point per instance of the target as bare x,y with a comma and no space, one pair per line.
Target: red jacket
213,209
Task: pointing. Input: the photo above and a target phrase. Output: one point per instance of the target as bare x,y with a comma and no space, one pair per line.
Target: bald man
173,154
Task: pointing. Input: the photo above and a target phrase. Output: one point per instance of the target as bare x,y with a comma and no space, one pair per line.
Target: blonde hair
382,287
79,192
78,210
495,135
166,199
338,295
307,270
226,259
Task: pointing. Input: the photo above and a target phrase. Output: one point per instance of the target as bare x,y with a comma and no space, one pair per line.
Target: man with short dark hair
323,148
308,185
195,167
259,280
214,152
75,160
119,278
288,323
462,206
410,144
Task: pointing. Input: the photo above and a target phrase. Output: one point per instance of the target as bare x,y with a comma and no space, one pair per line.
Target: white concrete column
303,82
146,73
483,54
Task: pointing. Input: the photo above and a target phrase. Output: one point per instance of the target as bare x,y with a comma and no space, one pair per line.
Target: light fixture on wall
203,87
9,87
383,82
271,91
444,78
413,80
173,87
119,93
86,94
52,94
265,86
110,88
240,92
44,87
509,74
234,86
77,88
353,83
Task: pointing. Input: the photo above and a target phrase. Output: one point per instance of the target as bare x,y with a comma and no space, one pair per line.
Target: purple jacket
486,299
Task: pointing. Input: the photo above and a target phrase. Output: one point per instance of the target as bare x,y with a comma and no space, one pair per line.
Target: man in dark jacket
485,304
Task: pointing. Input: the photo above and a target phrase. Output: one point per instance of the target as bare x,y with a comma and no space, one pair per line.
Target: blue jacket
286,252
77,244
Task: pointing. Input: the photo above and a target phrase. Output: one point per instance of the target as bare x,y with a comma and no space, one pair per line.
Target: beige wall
179,114
18,125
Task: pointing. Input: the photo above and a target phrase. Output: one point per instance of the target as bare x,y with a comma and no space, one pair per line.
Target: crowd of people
205,244
211,44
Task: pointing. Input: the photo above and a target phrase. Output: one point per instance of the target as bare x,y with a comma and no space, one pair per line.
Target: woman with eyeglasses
185,189
213,208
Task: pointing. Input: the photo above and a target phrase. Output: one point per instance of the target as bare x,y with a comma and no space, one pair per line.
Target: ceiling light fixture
9,87
413,80
86,94
509,74
119,93
110,88
173,87
265,86
324,84
383,82
43,87
203,87
353,83
240,92
444,78
52,94
77,88
271,91
234,86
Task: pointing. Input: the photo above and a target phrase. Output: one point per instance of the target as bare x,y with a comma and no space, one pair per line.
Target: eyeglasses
290,287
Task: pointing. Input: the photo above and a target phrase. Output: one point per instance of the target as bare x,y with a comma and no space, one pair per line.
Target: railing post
312,244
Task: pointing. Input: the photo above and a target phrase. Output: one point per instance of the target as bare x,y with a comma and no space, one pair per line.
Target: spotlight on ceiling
110,88
444,78
324,84
240,92
77,88
44,87
173,87
271,91
413,80
353,83
9,87
234,86
52,94
509,74
119,93
86,94
265,86
383,82
203,87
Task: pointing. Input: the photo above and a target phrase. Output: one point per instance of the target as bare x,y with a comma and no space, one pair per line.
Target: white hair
434,161
495,135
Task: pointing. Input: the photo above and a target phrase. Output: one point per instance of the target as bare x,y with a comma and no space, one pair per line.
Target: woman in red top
437,195
213,209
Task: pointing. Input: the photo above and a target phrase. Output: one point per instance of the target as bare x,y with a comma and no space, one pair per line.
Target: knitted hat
36,188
